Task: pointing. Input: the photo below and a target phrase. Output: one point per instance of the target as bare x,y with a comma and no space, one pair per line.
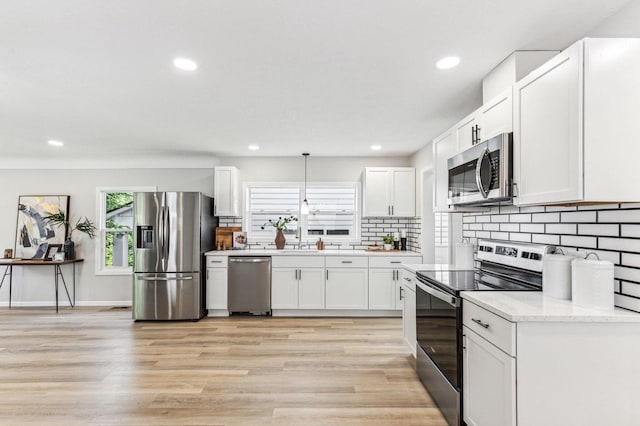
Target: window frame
101,210
305,238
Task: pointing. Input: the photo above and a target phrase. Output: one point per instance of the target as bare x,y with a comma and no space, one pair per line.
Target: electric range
501,266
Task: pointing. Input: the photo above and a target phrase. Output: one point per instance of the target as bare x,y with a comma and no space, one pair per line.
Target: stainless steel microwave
482,174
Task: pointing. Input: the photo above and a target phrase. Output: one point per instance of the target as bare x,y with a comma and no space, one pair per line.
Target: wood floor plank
91,366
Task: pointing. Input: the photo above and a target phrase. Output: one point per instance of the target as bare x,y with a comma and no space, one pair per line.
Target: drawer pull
480,323
215,261
396,261
407,279
347,261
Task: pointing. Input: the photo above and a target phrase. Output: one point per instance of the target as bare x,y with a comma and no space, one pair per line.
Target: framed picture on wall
32,231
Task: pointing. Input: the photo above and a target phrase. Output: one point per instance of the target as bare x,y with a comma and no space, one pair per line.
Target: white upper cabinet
496,116
444,147
493,118
466,131
575,126
389,191
226,192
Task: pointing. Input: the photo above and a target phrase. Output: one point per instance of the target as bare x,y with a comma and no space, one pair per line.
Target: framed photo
239,240
32,231
52,251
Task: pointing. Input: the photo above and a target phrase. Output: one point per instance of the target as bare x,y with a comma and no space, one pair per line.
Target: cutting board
225,235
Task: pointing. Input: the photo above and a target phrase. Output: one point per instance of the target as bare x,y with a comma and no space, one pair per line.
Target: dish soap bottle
320,244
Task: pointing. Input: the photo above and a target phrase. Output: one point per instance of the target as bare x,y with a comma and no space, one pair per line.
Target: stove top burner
453,282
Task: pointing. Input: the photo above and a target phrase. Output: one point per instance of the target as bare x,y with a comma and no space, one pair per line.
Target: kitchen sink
300,251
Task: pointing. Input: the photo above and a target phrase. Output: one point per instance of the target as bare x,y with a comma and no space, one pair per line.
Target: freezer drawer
168,296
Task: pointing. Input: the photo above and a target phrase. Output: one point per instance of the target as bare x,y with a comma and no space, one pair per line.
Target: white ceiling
329,77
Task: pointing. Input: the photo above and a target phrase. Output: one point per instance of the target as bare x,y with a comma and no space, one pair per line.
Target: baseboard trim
65,304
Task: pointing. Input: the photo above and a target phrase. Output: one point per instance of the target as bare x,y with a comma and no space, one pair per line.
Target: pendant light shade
304,209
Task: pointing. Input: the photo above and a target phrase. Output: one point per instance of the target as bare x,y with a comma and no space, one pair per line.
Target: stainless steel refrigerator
172,231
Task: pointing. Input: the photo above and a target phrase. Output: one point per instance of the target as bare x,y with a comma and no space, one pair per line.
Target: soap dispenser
320,244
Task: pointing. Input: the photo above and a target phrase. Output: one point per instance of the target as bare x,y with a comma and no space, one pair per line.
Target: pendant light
304,209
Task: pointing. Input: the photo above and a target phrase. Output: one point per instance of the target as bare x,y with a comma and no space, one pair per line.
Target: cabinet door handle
299,274
207,275
327,275
392,211
401,295
473,135
389,210
480,323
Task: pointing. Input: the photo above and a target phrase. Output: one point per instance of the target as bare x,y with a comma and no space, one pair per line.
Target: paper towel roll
556,276
592,283
464,255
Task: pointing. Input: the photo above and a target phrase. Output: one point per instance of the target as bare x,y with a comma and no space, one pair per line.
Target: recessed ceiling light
55,143
376,147
448,62
254,147
185,64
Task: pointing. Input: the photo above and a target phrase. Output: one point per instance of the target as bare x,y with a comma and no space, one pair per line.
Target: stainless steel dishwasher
249,285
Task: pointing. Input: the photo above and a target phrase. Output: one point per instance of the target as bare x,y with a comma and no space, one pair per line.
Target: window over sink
333,211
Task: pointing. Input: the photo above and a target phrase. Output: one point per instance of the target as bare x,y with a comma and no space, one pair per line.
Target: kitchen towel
592,283
464,255
556,276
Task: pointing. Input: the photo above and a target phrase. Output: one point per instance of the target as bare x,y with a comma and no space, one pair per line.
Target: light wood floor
97,367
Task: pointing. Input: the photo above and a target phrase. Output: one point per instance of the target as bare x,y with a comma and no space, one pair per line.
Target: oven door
439,330
482,174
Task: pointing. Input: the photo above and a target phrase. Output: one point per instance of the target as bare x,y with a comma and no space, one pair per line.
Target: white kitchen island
536,360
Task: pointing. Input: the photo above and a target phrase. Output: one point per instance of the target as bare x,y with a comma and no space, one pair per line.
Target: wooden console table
57,273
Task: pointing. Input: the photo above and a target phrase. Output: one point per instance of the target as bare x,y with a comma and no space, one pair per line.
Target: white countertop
529,306
305,252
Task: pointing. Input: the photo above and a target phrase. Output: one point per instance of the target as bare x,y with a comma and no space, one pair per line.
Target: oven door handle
447,298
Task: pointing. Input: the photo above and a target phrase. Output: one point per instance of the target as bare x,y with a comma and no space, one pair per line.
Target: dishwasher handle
249,259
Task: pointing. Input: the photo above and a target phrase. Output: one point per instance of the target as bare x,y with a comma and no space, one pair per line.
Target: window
442,229
333,213
114,252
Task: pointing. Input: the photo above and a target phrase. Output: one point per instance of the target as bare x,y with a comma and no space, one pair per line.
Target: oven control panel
520,255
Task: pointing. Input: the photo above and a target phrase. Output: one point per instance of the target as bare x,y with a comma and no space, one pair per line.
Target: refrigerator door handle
161,232
166,278
168,232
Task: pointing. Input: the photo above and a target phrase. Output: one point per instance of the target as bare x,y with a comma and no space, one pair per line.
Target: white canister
464,255
556,276
592,283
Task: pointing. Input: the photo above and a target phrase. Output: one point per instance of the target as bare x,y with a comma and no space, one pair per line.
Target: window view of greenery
118,229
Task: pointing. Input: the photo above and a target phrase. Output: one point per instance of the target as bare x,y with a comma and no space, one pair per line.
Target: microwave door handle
485,153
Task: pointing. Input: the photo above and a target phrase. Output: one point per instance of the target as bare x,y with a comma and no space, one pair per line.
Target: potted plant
83,224
280,225
388,241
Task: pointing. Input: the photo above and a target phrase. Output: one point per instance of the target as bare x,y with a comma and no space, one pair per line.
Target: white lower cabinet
311,288
216,283
297,282
408,297
284,288
385,282
382,288
347,288
489,383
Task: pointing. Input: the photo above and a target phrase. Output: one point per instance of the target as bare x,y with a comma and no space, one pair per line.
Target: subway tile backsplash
372,230
612,231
